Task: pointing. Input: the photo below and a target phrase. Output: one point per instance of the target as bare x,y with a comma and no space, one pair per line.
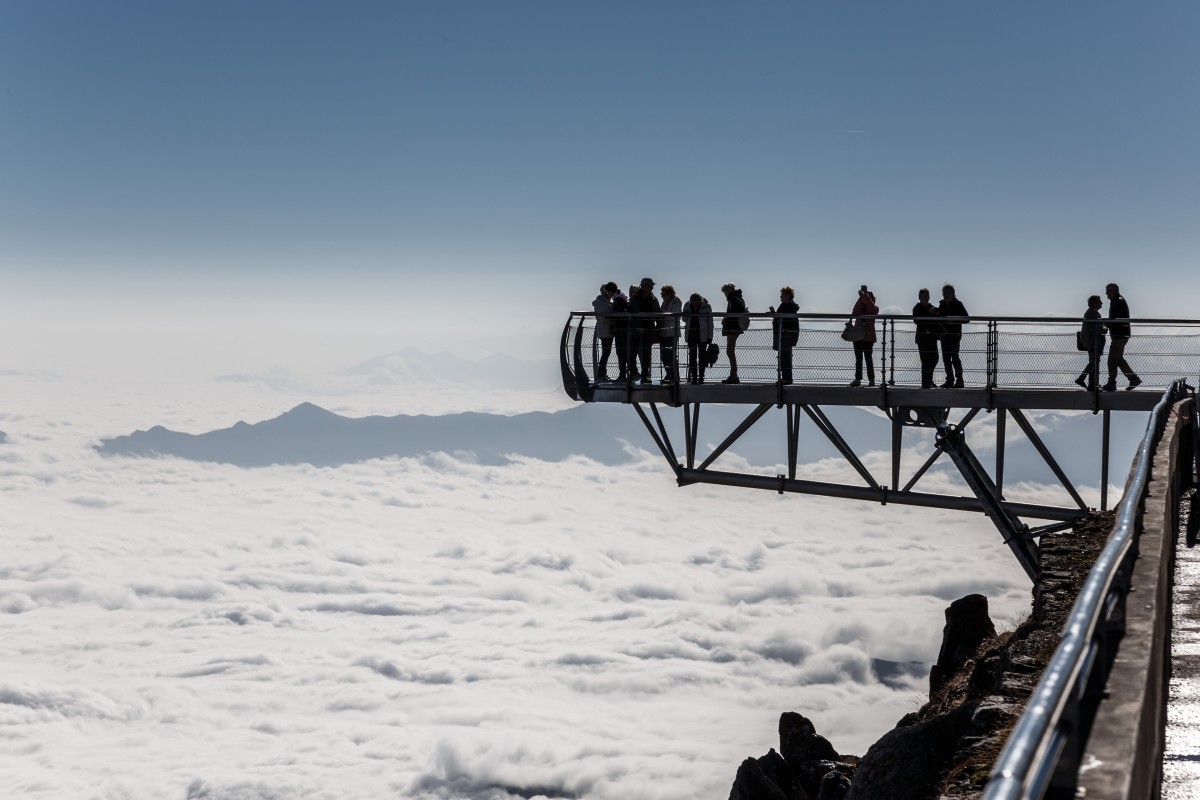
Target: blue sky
373,155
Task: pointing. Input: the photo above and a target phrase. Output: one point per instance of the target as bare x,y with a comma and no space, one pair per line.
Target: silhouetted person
622,333
928,330
603,307
671,307
1092,336
646,309
698,323
951,306
786,330
864,348
1118,309
731,327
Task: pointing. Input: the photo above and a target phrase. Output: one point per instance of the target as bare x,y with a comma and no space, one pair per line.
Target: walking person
731,327
646,309
864,348
1120,332
672,307
951,339
928,330
619,327
603,307
698,323
786,331
1091,336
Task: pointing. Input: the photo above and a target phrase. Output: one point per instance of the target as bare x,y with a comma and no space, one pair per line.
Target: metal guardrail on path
1043,751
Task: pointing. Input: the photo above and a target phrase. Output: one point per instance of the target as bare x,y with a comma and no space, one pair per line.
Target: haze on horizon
287,179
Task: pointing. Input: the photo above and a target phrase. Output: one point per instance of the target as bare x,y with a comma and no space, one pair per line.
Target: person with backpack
732,325
697,323
864,348
786,330
1091,339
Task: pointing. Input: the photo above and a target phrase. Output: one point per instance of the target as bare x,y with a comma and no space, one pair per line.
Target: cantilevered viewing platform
1010,365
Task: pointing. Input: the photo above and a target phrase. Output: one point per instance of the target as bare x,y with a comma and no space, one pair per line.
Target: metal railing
1044,749
1008,352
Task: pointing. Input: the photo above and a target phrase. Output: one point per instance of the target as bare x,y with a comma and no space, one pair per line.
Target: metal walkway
1011,365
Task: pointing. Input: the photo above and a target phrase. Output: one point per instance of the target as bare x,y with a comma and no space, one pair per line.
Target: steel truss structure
950,440
1026,364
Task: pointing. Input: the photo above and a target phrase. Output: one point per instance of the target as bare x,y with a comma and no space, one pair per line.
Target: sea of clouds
431,627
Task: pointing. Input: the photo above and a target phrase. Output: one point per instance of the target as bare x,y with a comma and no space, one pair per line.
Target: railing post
891,334
993,356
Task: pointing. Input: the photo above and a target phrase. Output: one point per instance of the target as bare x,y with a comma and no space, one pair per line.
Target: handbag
853,332
743,322
1080,341
711,354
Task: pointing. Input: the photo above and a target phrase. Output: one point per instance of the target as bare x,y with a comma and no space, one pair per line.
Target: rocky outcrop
978,689
968,626
806,768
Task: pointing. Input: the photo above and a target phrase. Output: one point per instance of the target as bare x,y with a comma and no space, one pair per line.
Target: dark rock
800,742
915,758
766,778
811,775
967,627
834,786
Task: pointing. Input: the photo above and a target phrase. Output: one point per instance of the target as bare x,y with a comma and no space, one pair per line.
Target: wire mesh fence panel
1038,357
1159,356
1004,352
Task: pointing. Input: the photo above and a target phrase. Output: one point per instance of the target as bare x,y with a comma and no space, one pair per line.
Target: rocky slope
978,687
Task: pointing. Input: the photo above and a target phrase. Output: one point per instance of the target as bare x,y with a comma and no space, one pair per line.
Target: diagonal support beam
667,452
746,425
1015,534
1044,452
831,433
937,452
663,430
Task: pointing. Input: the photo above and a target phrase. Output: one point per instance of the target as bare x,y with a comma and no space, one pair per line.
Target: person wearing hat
646,309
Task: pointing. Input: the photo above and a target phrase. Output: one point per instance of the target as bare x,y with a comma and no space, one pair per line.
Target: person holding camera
864,348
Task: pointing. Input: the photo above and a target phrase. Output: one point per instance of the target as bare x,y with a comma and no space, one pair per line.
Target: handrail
976,318
1032,755
995,352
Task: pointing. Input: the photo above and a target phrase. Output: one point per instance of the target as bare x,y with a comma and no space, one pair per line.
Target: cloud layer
429,627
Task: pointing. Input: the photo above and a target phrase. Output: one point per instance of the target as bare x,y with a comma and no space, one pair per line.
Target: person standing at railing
619,327
928,329
1120,332
1091,337
603,307
646,309
786,330
731,327
951,306
864,348
672,306
698,322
